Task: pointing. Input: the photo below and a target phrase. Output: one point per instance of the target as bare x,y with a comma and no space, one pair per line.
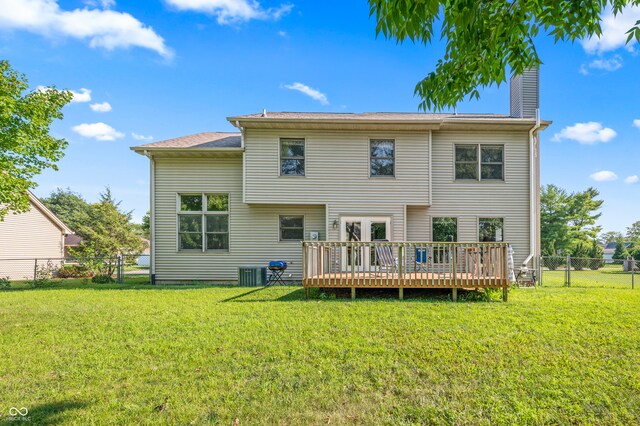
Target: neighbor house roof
73,240
206,140
49,214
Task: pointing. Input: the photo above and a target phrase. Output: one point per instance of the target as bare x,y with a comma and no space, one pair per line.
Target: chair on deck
422,260
385,258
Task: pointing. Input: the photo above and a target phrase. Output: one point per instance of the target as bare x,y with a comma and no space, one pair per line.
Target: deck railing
405,264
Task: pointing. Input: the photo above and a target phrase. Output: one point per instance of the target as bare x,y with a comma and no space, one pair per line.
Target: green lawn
610,276
80,353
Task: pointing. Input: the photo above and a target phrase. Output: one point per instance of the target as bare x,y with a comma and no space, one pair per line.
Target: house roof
436,120
73,240
207,140
49,214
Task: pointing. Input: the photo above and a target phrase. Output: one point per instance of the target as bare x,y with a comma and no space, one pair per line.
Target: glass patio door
362,228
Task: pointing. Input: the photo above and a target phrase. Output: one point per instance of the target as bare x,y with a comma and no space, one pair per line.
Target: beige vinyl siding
418,224
27,236
253,229
336,169
469,200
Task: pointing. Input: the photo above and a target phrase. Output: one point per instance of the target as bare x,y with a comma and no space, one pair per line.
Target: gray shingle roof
199,140
372,116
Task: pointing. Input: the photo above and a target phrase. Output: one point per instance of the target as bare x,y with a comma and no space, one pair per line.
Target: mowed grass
610,276
88,354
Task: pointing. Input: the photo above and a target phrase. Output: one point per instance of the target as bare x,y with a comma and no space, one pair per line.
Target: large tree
609,237
26,147
107,232
633,232
69,206
486,39
568,220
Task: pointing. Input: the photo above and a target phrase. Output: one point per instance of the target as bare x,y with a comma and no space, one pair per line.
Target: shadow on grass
43,414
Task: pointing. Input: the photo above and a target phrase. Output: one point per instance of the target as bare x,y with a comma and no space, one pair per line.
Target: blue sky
168,68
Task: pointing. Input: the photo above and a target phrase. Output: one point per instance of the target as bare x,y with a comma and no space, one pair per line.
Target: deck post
306,293
401,293
454,294
353,293
505,292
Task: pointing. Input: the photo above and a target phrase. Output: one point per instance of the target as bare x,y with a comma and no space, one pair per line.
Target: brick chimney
525,93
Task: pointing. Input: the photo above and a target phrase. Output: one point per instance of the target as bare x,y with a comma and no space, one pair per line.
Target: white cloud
105,4
232,11
610,65
141,137
586,133
636,123
282,33
614,30
84,95
632,179
312,93
101,107
98,131
102,28
604,176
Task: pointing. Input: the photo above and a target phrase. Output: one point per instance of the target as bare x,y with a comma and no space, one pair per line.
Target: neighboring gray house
222,200
24,237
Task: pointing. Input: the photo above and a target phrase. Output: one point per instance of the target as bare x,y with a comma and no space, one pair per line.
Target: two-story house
222,200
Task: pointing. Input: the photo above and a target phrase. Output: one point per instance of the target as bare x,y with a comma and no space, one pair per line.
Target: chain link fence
120,269
588,272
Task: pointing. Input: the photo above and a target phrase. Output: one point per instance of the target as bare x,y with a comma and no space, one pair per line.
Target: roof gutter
152,215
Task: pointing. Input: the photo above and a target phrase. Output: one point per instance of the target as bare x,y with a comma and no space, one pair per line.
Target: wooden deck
355,264
407,280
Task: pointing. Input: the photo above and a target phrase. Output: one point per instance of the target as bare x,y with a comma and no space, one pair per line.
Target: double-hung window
382,157
203,222
291,157
479,162
291,228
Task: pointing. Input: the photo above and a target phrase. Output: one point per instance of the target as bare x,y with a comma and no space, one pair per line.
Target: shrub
74,271
102,279
44,273
5,283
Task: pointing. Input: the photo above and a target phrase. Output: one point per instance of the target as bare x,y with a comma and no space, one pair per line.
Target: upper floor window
291,228
479,162
382,157
203,222
490,229
291,157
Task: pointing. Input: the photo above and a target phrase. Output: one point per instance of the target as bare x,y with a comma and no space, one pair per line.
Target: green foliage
621,251
5,283
609,237
26,148
69,206
146,225
45,272
107,233
103,279
484,38
74,271
568,219
633,232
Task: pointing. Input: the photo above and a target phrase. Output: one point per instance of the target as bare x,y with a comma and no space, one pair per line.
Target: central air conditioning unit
252,275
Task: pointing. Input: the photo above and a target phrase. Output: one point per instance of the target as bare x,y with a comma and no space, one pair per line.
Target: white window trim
304,228
479,162
489,217
393,176
304,158
203,214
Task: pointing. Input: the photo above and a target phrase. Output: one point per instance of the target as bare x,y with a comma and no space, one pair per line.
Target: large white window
203,222
479,162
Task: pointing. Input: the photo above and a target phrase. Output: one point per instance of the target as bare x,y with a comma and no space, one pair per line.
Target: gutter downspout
244,161
533,189
152,217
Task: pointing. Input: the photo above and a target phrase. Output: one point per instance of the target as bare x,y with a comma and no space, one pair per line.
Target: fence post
35,272
119,269
568,270
633,273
